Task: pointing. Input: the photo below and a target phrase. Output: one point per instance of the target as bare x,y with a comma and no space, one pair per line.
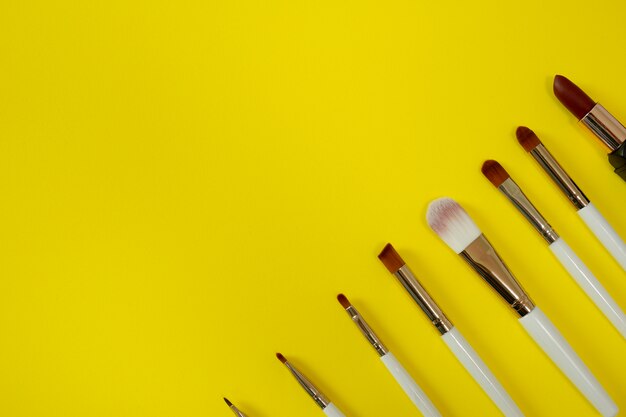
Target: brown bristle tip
343,300
527,138
391,259
281,358
494,172
228,403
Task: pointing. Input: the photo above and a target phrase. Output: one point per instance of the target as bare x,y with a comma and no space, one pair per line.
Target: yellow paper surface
186,186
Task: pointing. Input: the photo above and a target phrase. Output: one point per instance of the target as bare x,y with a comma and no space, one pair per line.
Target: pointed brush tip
343,300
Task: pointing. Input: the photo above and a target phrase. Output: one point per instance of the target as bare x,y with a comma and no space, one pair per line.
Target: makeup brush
596,118
498,176
455,227
450,334
410,387
233,408
320,399
585,209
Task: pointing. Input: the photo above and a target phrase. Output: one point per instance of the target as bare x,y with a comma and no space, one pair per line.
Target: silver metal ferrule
486,261
560,177
317,395
367,331
423,299
523,204
606,127
237,412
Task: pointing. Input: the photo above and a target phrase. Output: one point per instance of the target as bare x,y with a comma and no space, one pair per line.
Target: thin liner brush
456,228
585,279
404,379
585,208
453,338
320,399
234,409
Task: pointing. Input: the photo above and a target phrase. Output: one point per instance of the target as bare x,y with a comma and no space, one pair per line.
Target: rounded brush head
527,138
494,172
343,300
452,223
391,259
281,357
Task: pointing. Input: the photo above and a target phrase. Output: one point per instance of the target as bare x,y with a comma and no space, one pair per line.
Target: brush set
454,226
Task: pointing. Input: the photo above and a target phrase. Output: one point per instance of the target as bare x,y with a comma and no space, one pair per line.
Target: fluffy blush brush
455,227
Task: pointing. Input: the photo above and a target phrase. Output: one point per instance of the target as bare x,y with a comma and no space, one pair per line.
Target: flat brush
404,379
585,209
455,227
596,118
320,399
233,408
450,334
498,176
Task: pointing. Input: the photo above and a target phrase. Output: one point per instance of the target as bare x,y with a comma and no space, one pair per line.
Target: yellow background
187,185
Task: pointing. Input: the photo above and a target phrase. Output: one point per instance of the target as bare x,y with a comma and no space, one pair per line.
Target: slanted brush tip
391,259
527,138
281,357
343,300
494,172
228,403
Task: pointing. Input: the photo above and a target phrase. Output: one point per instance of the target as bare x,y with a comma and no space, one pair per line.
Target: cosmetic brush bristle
343,300
453,225
527,138
391,259
494,172
228,403
281,358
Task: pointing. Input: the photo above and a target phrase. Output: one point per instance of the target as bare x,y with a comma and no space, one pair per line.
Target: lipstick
596,118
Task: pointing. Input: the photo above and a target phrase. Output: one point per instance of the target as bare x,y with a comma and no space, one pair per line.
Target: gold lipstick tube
606,127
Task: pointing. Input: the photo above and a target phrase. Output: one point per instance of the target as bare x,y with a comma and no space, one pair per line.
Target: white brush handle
556,347
481,374
410,387
605,233
332,411
590,284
